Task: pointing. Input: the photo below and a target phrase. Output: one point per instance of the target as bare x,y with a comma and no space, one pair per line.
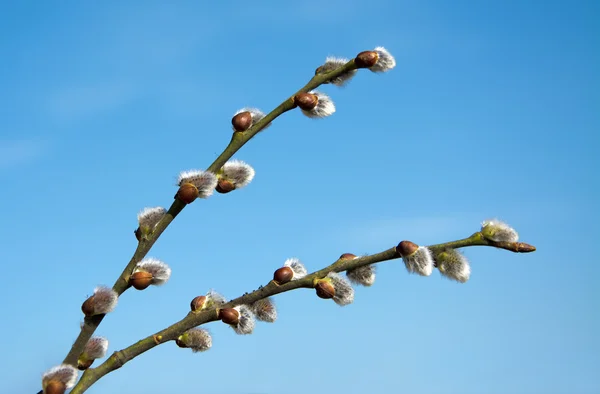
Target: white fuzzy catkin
95,348
64,373
364,275
324,107
420,262
344,292
197,339
149,217
297,268
237,172
214,300
453,265
385,61
498,231
204,181
105,300
246,321
160,271
265,310
332,63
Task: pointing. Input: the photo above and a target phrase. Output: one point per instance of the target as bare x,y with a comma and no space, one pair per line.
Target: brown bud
347,256
242,121
229,316
180,343
55,387
319,70
406,248
366,59
306,101
325,289
138,234
84,364
140,280
283,275
522,247
187,193
224,186
197,303
88,307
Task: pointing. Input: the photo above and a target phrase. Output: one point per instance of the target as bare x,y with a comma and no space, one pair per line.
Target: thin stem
194,319
238,140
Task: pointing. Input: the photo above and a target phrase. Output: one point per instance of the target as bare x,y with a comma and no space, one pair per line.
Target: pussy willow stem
238,140
194,319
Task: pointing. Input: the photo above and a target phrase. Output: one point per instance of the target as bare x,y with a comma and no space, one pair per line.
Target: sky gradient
492,111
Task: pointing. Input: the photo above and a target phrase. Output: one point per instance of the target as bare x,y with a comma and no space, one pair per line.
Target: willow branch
194,319
238,140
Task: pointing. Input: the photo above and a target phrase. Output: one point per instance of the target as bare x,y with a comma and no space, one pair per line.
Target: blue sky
492,111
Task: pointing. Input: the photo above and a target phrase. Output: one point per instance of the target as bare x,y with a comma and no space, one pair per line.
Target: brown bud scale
55,387
187,193
325,289
283,275
242,121
224,186
229,316
366,59
197,303
138,234
140,280
347,256
306,101
88,307
406,248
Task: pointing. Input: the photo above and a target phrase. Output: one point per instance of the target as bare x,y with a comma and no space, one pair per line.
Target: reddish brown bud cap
55,387
180,343
140,280
197,303
82,365
242,121
366,59
406,248
306,101
229,316
138,234
283,275
187,193
347,256
224,186
325,289
522,247
88,307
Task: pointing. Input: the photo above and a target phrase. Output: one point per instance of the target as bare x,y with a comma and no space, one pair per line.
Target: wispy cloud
19,152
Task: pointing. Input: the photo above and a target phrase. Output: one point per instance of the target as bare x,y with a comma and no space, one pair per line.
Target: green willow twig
194,319
238,140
